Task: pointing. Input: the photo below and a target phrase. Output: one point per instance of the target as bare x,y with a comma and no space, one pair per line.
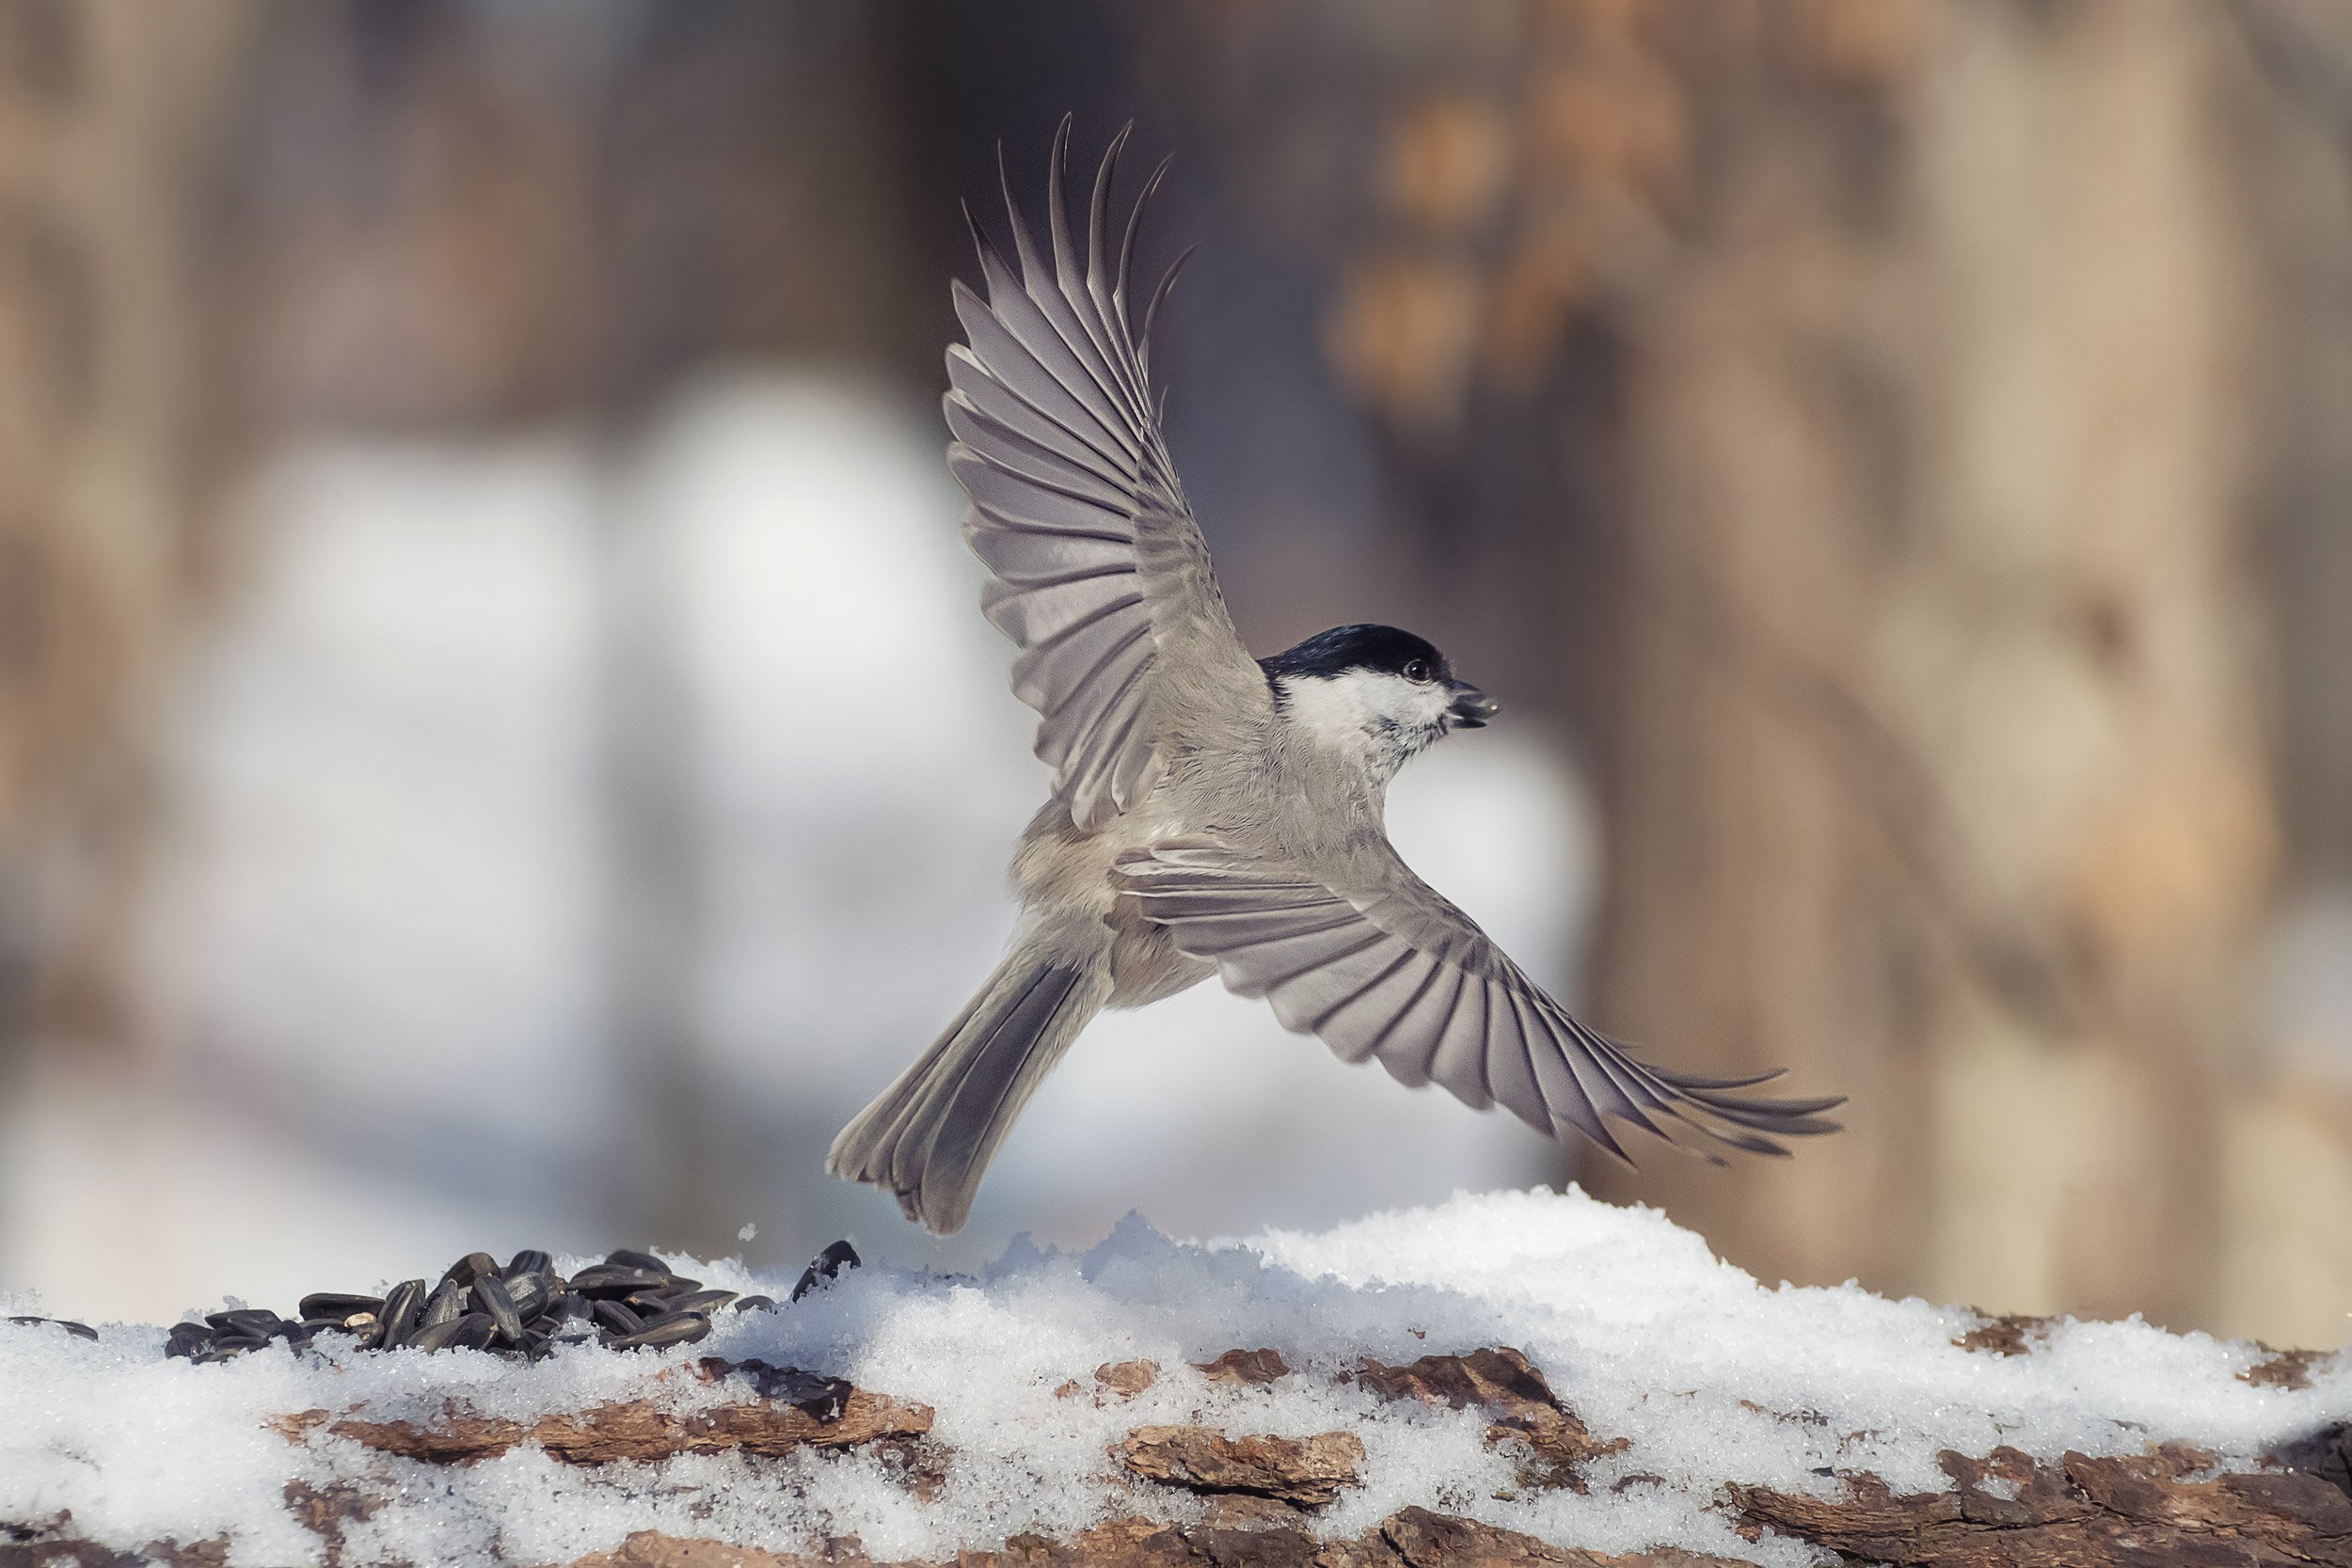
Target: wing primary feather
1152,313
1098,215
994,400
1097,358
1565,1094
1018,501
971,219
1120,291
1600,1086
1068,273
1692,1081
1011,362
1016,454
1120,344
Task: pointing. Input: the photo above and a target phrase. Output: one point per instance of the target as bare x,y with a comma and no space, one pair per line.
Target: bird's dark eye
1417,669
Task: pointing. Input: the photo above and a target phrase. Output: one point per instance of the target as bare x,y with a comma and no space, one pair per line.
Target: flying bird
1212,813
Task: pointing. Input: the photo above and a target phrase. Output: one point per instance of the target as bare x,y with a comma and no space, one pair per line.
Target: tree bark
1938,774
1255,1499
114,124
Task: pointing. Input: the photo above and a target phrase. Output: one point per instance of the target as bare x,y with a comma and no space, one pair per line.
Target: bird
1211,813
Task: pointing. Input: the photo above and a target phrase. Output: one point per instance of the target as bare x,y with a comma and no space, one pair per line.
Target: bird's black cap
1385,649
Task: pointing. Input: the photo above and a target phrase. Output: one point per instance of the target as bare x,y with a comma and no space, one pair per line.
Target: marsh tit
1212,813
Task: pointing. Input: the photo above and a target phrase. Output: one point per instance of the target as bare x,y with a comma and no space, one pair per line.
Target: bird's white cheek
1379,719
1328,710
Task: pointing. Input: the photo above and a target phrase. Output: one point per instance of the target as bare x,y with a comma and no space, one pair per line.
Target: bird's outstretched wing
1100,575
1394,971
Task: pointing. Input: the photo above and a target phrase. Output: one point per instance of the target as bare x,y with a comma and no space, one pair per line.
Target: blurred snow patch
378,951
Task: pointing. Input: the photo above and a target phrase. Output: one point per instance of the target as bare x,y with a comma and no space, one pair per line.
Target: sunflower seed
233,1342
679,1328
530,1292
530,1260
333,1304
700,1301
491,1291
449,1303
567,1306
629,1258
471,1268
402,1309
749,1304
432,1337
186,1339
617,1318
616,1279
80,1331
827,1264
814,1393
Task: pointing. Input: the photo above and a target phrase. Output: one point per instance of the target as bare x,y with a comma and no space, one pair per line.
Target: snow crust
1710,1375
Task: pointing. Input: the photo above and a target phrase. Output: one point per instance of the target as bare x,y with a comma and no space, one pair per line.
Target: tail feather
930,1136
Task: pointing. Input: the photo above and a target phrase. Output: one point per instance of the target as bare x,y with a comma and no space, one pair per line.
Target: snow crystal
1709,1375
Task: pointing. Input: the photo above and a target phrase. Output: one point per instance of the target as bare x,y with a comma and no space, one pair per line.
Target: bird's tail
929,1137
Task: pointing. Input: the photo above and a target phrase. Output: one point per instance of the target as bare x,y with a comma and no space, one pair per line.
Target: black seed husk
449,1303
827,1264
80,1331
471,1268
679,1328
331,1306
700,1301
530,1292
491,1291
617,1280
628,1257
440,1335
404,1307
475,1331
617,1318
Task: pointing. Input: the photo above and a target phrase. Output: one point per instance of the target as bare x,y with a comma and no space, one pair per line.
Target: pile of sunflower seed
521,1309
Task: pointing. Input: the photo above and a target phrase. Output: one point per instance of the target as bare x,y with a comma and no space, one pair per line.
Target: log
1199,1494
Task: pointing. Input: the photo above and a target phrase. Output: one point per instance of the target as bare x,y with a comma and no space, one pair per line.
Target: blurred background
498,749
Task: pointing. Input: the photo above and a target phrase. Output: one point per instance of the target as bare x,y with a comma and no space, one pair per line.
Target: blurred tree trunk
510,218
1853,394
1937,769
113,117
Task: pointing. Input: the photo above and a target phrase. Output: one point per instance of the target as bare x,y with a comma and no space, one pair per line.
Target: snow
1640,1330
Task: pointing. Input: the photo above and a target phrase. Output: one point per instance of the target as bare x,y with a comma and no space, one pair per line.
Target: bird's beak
1471,707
